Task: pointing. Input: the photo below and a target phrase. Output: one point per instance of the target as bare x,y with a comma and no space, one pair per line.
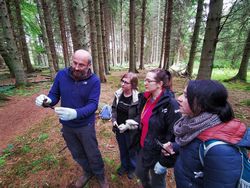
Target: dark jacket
161,123
133,113
133,110
222,164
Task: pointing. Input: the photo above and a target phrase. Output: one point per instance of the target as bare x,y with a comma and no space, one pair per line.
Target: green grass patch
110,162
28,90
43,137
105,133
237,85
245,102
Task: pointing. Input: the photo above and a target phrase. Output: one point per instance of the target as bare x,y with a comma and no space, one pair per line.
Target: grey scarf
187,128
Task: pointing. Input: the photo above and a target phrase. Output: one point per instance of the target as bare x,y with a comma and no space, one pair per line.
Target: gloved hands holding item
159,169
123,127
41,99
132,124
66,114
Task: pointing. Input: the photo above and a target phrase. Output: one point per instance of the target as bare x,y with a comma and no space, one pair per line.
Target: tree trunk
103,30
6,56
107,26
210,39
45,40
23,44
163,34
158,31
122,33
144,2
242,73
11,47
195,37
60,10
80,24
99,40
50,35
72,21
2,62
168,35
114,55
132,63
93,38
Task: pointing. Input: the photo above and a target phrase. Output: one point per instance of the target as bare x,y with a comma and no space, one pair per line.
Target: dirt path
18,115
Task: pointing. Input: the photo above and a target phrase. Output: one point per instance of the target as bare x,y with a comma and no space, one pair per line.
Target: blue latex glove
159,169
66,114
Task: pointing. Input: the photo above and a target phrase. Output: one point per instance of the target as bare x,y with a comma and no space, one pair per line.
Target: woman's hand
169,149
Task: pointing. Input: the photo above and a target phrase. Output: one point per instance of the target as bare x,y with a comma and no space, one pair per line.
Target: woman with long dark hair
207,117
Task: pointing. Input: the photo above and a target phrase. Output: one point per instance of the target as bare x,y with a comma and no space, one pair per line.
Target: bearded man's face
80,67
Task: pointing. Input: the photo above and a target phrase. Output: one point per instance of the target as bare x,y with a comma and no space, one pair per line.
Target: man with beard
79,91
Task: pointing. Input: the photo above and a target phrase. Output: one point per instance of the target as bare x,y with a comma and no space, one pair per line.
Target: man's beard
79,75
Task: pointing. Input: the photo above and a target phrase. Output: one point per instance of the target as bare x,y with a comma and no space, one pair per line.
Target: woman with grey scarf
207,115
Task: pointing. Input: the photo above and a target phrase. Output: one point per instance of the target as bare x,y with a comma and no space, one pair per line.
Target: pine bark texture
60,13
93,37
195,38
45,40
49,31
144,2
132,63
242,74
168,35
210,39
99,40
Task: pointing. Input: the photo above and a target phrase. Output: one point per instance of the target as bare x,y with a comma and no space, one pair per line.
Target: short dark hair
133,79
209,96
164,76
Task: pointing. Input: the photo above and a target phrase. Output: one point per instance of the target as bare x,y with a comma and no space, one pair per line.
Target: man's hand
41,99
66,114
132,124
159,169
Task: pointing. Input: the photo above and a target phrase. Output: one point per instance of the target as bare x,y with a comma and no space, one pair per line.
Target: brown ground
19,114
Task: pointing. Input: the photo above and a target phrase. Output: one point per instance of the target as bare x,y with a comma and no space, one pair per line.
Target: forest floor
31,144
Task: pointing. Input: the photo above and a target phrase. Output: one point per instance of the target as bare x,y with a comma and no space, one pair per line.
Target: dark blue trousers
83,146
127,155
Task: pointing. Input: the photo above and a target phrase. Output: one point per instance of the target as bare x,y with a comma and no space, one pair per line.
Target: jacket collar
232,132
135,93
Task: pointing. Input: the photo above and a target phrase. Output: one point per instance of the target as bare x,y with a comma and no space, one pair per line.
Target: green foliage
28,90
109,162
246,102
43,137
26,149
6,153
105,133
222,74
29,16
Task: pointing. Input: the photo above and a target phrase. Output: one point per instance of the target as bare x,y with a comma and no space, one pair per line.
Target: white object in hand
66,114
132,124
123,127
41,98
115,124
